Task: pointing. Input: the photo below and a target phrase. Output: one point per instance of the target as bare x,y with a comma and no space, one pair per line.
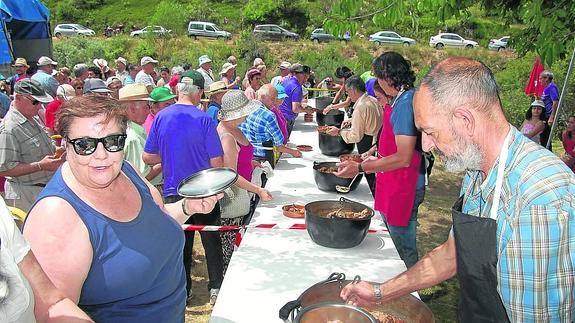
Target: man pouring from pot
512,240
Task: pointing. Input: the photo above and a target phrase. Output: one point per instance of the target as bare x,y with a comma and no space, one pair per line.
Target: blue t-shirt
550,94
294,94
212,111
369,86
137,272
404,125
186,139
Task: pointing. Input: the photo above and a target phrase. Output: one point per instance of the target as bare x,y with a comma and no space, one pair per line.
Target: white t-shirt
144,78
19,304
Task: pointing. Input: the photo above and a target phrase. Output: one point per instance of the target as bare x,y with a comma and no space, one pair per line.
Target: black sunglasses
34,101
87,145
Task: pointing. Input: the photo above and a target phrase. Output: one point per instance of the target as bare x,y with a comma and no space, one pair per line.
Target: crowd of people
104,220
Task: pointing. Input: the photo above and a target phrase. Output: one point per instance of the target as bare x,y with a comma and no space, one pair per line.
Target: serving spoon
346,189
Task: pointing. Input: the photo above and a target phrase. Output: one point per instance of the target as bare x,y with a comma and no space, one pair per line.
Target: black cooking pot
328,181
339,233
333,145
321,102
332,118
407,307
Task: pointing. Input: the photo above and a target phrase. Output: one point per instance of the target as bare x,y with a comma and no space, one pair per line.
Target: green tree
171,16
550,25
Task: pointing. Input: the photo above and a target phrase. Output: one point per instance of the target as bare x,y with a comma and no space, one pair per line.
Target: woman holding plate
101,231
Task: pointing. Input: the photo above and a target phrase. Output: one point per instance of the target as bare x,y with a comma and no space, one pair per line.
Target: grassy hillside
511,71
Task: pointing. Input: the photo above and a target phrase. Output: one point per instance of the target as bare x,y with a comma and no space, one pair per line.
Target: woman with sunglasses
101,231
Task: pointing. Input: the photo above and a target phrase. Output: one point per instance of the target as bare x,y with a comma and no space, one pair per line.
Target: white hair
177,70
264,90
187,88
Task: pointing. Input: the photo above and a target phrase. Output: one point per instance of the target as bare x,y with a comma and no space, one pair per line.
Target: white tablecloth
274,266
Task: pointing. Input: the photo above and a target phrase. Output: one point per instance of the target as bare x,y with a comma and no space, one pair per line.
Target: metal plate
207,182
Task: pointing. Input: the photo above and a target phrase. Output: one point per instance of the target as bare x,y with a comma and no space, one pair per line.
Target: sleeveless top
137,272
245,156
527,128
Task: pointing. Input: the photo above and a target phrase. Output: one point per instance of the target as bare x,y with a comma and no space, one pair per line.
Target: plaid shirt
535,231
261,125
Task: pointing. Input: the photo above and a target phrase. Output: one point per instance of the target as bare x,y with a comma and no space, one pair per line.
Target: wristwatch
360,168
377,293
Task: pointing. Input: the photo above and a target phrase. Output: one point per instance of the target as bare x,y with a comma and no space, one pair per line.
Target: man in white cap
27,155
64,93
121,68
206,70
44,75
284,71
147,64
137,102
20,67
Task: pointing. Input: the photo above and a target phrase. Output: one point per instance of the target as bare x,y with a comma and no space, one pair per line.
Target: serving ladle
346,189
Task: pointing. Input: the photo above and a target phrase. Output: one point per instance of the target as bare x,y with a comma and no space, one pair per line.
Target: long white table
274,266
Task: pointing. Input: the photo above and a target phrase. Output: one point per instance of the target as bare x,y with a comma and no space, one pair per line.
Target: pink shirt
282,123
148,123
245,156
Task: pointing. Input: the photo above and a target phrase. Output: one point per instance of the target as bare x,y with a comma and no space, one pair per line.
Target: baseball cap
285,65
20,61
161,94
299,68
281,91
134,92
45,60
538,103
253,72
95,85
147,59
193,77
111,80
204,59
258,61
34,89
66,91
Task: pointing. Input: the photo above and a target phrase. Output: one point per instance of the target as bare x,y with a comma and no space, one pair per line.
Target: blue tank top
137,272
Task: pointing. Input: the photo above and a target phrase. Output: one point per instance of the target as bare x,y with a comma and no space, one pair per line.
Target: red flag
534,86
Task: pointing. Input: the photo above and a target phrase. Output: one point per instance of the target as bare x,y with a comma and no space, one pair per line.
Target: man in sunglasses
27,156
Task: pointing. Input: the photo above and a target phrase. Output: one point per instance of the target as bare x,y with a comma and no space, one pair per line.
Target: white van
206,29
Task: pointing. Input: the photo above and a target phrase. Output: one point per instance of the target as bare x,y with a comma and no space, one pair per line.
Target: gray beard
469,158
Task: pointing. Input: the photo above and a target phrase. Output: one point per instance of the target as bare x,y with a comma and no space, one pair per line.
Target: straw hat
134,92
235,105
20,62
227,67
217,87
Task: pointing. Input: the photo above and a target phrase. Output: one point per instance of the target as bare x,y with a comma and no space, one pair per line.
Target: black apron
364,145
476,250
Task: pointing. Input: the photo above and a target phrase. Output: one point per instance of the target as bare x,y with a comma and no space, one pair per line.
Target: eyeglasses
87,145
34,101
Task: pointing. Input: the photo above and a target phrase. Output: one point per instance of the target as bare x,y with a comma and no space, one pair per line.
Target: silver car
390,37
206,29
273,32
498,44
451,40
156,30
68,30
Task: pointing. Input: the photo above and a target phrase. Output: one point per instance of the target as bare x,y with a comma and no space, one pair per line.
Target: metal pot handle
289,309
343,199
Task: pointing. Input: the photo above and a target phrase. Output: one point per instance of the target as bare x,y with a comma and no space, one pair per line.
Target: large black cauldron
328,181
339,233
333,145
332,118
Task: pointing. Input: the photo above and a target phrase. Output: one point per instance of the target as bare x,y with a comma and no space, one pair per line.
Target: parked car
498,44
391,37
451,40
68,30
206,29
273,32
319,35
157,30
